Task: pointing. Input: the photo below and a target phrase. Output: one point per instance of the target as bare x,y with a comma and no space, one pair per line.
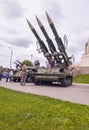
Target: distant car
17,76
4,74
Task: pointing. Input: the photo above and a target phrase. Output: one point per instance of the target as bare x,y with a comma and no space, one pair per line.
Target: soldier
7,74
52,62
11,75
1,70
23,74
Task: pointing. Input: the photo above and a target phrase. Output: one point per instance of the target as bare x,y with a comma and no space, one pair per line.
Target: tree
27,62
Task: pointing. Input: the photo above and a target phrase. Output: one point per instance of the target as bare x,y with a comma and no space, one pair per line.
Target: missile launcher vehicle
17,71
58,70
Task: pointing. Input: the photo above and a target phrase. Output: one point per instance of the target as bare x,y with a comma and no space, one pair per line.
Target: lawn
81,78
22,111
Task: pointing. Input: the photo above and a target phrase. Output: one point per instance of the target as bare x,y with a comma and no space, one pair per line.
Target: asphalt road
76,93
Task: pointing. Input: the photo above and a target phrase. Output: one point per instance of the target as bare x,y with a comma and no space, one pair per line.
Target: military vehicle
60,72
17,72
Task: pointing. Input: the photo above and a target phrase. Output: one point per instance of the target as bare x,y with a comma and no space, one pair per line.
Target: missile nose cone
49,19
30,25
39,22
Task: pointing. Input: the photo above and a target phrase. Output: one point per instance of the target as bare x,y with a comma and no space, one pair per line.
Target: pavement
76,93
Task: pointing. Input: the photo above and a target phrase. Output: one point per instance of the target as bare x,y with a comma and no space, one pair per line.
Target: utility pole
11,57
31,57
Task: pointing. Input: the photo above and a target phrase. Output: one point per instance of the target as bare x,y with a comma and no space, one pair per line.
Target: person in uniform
23,74
52,62
1,70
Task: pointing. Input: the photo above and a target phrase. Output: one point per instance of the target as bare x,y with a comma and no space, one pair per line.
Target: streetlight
11,57
31,57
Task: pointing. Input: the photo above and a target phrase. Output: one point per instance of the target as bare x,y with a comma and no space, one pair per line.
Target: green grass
22,111
82,78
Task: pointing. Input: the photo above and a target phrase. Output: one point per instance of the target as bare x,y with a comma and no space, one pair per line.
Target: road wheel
66,81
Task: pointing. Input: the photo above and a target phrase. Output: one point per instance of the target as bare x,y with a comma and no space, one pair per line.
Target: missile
33,30
19,62
59,41
52,25
16,63
46,35
49,41
41,43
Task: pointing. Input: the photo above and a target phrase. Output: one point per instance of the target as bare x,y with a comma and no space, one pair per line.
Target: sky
70,17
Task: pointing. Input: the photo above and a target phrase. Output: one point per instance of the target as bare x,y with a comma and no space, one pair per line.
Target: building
85,56
83,66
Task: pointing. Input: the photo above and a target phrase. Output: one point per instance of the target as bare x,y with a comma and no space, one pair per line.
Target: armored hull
48,75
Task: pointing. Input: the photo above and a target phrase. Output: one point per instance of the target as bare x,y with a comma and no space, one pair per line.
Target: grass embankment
82,78
22,111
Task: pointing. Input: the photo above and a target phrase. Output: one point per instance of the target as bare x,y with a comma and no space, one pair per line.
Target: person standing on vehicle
52,62
23,74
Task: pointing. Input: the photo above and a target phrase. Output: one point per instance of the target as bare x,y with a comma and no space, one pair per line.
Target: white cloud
70,17
11,9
